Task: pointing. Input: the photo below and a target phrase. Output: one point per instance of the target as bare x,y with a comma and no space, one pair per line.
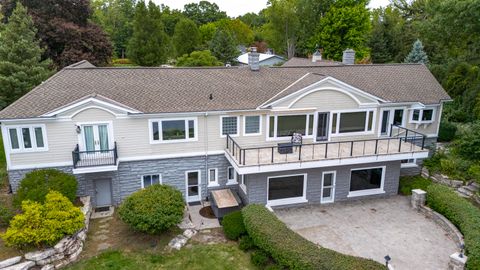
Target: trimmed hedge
291,250
233,225
36,185
153,210
462,214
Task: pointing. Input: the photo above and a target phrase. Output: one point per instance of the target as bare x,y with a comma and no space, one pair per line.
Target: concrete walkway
372,229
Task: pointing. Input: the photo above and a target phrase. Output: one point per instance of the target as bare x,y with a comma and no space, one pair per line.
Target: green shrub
291,250
233,225
245,243
273,267
474,173
433,163
6,214
447,131
36,185
407,183
468,144
462,214
153,210
259,257
44,224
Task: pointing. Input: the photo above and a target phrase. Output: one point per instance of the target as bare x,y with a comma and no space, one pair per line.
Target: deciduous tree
186,37
203,12
198,59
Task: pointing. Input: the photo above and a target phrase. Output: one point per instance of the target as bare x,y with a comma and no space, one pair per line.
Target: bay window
27,138
173,130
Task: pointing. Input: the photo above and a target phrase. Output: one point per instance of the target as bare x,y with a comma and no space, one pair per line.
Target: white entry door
193,181
96,137
328,187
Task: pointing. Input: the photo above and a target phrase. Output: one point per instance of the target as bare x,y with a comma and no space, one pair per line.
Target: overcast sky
235,8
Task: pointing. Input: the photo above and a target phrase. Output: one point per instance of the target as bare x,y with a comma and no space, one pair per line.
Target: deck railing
82,159
285,153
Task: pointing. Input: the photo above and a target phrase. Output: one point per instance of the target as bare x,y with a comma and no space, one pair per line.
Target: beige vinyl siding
428,129
132,136
326,100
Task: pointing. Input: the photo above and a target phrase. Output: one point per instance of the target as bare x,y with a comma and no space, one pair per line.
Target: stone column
418,198
456,262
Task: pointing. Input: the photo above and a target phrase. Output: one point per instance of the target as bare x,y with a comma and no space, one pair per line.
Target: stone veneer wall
457,260
63,253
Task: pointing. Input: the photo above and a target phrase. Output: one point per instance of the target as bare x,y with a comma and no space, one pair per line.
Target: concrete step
475,184
461,194
465,191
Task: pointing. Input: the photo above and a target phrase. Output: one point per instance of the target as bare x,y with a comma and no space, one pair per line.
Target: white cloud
236,8
233,8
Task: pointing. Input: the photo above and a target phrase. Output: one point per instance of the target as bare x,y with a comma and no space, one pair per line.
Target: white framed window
229,125
252,125
422,116
151,179
367,181
283,126
286,189
231,176
27,138
213,177
353,122
173,130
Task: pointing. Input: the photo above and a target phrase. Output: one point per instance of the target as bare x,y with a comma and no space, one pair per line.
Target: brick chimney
254,59
348,57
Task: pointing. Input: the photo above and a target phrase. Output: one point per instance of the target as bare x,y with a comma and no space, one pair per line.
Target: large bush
36,185
291,250
153,210
44,224
461,213
407,183
233,225
6,214
447,131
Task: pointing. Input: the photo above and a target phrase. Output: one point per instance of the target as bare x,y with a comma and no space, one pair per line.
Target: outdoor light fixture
462,248
78,129
387,260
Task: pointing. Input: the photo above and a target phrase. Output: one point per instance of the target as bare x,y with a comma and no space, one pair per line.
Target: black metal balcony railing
408,141
83,159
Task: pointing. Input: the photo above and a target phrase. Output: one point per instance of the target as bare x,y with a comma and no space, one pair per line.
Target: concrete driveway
372,229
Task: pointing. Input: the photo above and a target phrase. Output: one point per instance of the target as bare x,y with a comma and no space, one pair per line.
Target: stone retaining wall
63,253
442,179
457,260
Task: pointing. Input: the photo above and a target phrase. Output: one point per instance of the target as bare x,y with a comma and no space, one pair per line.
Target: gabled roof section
313,82
183,90
92,100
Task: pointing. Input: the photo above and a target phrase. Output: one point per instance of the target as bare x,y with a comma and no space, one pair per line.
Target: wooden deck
323,151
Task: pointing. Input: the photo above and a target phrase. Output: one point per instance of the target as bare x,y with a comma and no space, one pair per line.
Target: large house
276,135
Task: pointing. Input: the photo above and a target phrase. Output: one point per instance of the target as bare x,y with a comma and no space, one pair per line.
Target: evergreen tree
223,47
21,65
417,54
149,45
186,37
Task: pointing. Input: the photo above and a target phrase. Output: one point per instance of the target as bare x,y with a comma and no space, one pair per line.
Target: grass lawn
194,257
407,183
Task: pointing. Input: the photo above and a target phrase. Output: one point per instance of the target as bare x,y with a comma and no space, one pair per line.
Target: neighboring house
121,129
316,60
265,59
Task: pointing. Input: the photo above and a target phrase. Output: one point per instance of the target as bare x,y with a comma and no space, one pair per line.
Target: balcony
405,144
94,161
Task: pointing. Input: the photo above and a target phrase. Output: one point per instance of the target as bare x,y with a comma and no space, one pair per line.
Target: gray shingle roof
164,90
302,62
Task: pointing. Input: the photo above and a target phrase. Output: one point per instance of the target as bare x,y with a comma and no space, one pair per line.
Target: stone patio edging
63,253
418,199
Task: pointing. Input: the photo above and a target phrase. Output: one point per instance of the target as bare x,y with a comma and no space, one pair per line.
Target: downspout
206,150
